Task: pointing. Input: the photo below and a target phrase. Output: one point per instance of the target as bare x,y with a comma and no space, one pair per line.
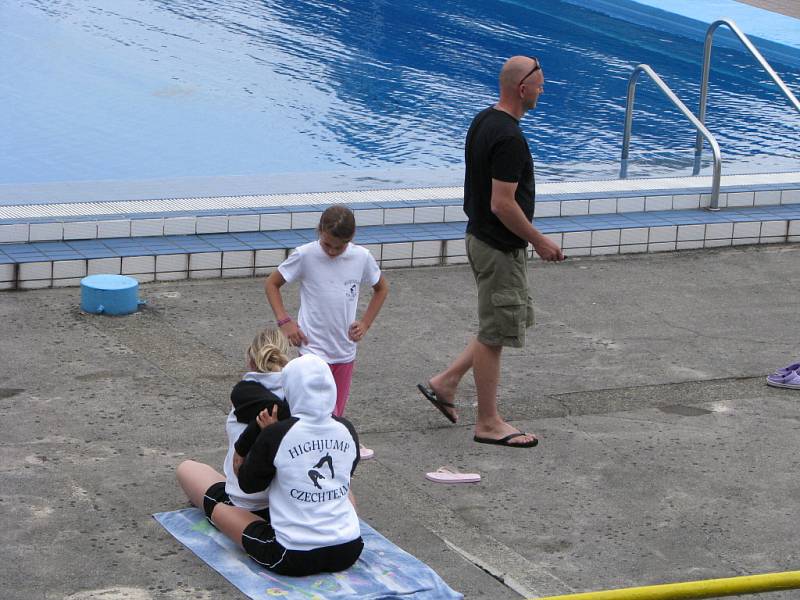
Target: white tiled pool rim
228,236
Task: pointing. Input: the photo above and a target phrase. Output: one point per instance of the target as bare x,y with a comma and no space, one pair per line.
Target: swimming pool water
139,89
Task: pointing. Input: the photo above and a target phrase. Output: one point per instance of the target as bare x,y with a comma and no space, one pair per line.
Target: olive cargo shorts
505,308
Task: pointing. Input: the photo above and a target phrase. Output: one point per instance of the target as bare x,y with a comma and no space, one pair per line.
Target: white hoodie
257,501
306,461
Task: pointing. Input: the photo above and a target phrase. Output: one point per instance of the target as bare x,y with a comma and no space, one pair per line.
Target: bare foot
444,390
444,393
501,429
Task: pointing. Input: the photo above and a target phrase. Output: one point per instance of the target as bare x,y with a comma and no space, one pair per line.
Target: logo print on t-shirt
315,475
351,289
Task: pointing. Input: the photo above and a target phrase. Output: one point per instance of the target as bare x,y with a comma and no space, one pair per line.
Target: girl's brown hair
269,351
338,221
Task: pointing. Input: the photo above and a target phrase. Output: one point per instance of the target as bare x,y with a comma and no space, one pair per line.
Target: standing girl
330,271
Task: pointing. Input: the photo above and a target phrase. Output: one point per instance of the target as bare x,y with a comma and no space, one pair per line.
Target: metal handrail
698,146
701,129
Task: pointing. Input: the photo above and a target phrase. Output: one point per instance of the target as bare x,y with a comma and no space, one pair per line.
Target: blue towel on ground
383,571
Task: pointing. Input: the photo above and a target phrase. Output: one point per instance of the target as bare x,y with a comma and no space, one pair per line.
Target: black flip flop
505,441
439,404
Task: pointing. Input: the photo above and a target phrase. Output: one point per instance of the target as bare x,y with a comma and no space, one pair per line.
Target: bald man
498,200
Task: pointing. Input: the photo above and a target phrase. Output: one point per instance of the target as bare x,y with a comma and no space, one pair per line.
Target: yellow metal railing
691,590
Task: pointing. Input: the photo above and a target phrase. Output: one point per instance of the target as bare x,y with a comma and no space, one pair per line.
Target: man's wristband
284,321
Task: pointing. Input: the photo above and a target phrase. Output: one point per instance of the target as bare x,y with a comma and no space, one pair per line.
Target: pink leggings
343,376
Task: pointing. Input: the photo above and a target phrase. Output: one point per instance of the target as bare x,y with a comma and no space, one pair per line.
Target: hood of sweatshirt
309,387
271,381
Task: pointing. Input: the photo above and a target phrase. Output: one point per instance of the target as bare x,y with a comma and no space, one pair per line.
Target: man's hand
505,207
547,249
266,417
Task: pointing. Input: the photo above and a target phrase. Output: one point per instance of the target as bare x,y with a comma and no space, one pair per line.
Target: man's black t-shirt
496,149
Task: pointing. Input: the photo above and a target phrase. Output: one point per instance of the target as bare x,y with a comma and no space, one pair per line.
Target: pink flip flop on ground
365,453
450,475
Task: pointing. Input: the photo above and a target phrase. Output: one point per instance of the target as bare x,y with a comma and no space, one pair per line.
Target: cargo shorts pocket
511,310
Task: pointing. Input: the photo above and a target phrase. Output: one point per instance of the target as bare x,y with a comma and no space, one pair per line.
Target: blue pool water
141,89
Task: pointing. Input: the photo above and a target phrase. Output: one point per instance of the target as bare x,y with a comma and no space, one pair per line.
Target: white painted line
250,202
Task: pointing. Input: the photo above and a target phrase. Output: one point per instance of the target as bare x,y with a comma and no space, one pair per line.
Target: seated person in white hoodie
306,461
260,389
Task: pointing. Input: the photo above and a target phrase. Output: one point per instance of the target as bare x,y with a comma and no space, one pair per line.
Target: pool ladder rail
697,121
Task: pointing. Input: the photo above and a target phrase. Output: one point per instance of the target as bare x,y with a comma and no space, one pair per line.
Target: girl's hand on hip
294,334
357,331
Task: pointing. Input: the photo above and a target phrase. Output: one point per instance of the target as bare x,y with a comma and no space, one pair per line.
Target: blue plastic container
109,294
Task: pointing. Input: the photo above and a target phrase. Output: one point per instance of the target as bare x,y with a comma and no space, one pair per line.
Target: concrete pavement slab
664,457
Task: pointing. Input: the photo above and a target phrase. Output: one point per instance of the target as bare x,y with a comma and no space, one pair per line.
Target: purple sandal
790,381
787,369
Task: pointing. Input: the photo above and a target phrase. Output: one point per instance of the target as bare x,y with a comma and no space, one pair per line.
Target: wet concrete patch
684,411
9,392
96,376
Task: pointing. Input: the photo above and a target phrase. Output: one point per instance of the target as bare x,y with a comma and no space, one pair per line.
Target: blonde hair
269,351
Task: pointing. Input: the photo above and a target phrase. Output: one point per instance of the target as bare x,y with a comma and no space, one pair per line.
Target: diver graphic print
323,477
315,475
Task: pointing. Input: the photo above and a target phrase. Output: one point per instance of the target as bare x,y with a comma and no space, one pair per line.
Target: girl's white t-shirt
329,288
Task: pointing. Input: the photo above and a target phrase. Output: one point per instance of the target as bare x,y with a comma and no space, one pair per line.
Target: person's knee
186,471
493,348
183,467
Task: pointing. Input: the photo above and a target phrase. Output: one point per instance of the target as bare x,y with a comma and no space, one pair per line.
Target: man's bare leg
445,384
486,370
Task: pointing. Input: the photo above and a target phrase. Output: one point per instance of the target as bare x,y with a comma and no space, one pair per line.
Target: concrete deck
789,8
664,457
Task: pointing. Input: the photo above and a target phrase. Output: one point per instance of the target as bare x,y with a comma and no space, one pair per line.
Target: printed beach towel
383,570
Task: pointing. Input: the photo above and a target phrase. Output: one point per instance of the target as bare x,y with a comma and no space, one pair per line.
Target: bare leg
232,521
486,370
445,384
195,478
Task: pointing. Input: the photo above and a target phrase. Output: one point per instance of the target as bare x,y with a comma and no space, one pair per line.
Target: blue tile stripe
371,234
667,218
